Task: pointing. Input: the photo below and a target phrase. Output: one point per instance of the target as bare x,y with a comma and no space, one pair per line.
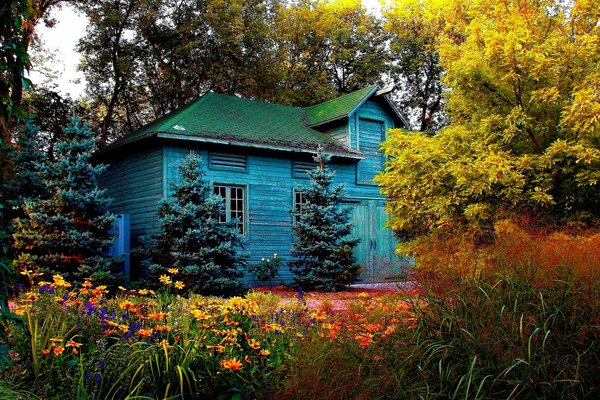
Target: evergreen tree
323,250
204,251
68,232
28,160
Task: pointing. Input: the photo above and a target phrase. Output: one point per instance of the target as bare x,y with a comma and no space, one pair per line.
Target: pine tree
204,251
68,231
323,250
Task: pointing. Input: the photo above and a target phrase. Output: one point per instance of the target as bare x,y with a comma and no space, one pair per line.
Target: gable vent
228,161
300,169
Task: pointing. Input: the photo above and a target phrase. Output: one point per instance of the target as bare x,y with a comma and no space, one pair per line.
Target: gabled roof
217,118
339,107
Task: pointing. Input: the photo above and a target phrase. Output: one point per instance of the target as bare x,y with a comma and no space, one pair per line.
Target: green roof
337,108
225,119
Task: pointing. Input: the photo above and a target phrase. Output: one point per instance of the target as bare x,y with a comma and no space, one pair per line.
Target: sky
62,40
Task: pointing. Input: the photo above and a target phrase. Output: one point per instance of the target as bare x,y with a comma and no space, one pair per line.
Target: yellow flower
254,344
265,353
173,271
199,314
231,364
179,285
165,279
72,343
59,281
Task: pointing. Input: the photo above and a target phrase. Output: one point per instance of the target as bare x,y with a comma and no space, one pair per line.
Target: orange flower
72,343
217,347
45,351
265,353
58,350
364,339
254,344
144,332
231,364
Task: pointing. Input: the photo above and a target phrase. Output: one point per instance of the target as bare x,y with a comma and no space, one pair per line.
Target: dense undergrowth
519,331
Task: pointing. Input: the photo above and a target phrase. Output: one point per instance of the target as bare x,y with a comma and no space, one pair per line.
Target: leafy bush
266,269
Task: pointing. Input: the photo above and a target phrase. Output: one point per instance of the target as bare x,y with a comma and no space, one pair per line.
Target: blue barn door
376,251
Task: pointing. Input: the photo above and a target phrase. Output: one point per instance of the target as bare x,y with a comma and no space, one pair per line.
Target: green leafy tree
68,232
524,134
205,252
323,250
415,63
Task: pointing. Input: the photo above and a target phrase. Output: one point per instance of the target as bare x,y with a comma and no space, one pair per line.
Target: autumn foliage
522,80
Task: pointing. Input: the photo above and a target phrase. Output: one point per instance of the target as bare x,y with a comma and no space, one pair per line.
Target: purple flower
101,363
89,308
299,294
87,375
96,377
46,288
103,313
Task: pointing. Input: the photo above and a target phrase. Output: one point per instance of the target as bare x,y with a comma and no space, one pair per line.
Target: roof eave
118,144
167,135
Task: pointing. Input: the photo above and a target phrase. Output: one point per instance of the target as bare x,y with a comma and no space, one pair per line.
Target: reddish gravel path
337,300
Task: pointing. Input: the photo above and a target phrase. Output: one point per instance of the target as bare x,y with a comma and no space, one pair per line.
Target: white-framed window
234,204
300,202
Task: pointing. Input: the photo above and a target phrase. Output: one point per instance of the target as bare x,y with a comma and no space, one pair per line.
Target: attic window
300,169
227,161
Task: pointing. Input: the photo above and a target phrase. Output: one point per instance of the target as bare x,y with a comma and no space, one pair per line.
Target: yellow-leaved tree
523,141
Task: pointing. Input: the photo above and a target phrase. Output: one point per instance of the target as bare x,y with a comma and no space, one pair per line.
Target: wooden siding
269,183
339,133
369,143
135,183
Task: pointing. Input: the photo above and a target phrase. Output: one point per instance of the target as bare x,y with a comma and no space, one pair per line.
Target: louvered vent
228,161
301,168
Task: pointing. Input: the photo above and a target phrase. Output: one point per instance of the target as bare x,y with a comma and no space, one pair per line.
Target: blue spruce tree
205,252
27,162
67,231
323,250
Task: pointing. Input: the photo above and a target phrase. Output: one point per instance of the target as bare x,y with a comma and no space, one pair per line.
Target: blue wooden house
256,154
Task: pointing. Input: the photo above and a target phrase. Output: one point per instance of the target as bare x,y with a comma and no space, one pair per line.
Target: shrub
266,269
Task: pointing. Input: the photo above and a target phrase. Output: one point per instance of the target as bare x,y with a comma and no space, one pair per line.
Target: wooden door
376,251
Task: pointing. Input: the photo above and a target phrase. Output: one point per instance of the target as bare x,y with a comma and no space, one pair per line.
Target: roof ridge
257,101
342,96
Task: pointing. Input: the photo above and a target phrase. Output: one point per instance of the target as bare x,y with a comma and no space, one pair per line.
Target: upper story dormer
359,121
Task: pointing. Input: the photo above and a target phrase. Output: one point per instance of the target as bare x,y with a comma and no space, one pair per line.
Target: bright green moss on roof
216,117
336,108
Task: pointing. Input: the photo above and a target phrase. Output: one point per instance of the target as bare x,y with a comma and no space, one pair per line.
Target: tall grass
495,337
